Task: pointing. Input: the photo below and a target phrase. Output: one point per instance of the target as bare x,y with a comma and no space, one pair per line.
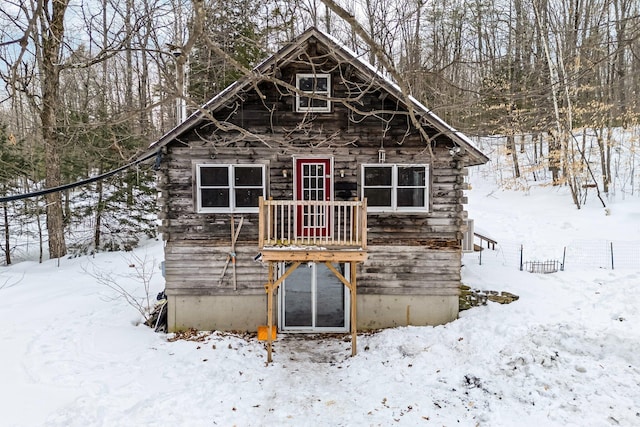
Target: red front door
313,183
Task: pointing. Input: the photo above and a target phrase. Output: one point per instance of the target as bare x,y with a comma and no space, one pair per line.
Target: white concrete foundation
222,313
388,311
247,312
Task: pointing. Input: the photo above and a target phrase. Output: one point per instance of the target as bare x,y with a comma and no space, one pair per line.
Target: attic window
229,188
318,86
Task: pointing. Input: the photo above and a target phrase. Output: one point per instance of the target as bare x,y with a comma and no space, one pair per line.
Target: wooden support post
261,222
363,224
233,252
270,287
354,326
352,289
269,312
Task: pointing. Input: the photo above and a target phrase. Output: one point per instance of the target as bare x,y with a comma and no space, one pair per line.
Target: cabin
313,195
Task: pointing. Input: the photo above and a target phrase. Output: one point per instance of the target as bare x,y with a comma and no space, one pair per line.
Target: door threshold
311,332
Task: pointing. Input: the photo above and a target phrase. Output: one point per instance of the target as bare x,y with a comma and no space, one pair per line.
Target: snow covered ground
566,353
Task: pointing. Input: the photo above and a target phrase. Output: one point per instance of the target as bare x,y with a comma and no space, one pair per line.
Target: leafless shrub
141,271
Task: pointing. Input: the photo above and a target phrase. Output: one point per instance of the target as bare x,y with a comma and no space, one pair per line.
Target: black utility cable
78,183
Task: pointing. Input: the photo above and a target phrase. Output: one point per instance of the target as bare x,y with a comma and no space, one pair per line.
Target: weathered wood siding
410,270
195,268
409,253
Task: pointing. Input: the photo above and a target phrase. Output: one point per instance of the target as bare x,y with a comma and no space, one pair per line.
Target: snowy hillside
566,353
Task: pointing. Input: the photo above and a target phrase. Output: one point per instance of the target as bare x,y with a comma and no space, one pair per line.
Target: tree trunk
603,160
52,34
143,98
7,243
128,88
40,238
511,151
608,156
99,208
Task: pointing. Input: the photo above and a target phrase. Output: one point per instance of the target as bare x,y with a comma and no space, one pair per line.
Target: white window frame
394,188
327,93
231,171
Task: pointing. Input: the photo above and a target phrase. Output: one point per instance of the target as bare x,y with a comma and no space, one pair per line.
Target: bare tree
48,40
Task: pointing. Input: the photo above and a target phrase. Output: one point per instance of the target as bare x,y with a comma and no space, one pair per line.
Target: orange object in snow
263,330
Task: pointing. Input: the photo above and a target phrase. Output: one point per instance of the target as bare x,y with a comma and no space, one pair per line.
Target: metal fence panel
604,254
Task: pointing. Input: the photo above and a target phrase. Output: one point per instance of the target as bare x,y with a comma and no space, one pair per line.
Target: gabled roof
343,53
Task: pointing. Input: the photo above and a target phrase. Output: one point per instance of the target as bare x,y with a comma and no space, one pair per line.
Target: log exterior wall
424,247
409,253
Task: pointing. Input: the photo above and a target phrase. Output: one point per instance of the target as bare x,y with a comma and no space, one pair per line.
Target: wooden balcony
297,230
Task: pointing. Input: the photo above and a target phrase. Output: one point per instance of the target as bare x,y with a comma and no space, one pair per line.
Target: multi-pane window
314,218
395,187
229,188
318,86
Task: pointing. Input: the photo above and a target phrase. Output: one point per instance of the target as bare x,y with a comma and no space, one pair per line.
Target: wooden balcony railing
297,223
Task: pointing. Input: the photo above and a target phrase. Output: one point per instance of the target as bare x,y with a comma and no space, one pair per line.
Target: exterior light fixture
382,155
